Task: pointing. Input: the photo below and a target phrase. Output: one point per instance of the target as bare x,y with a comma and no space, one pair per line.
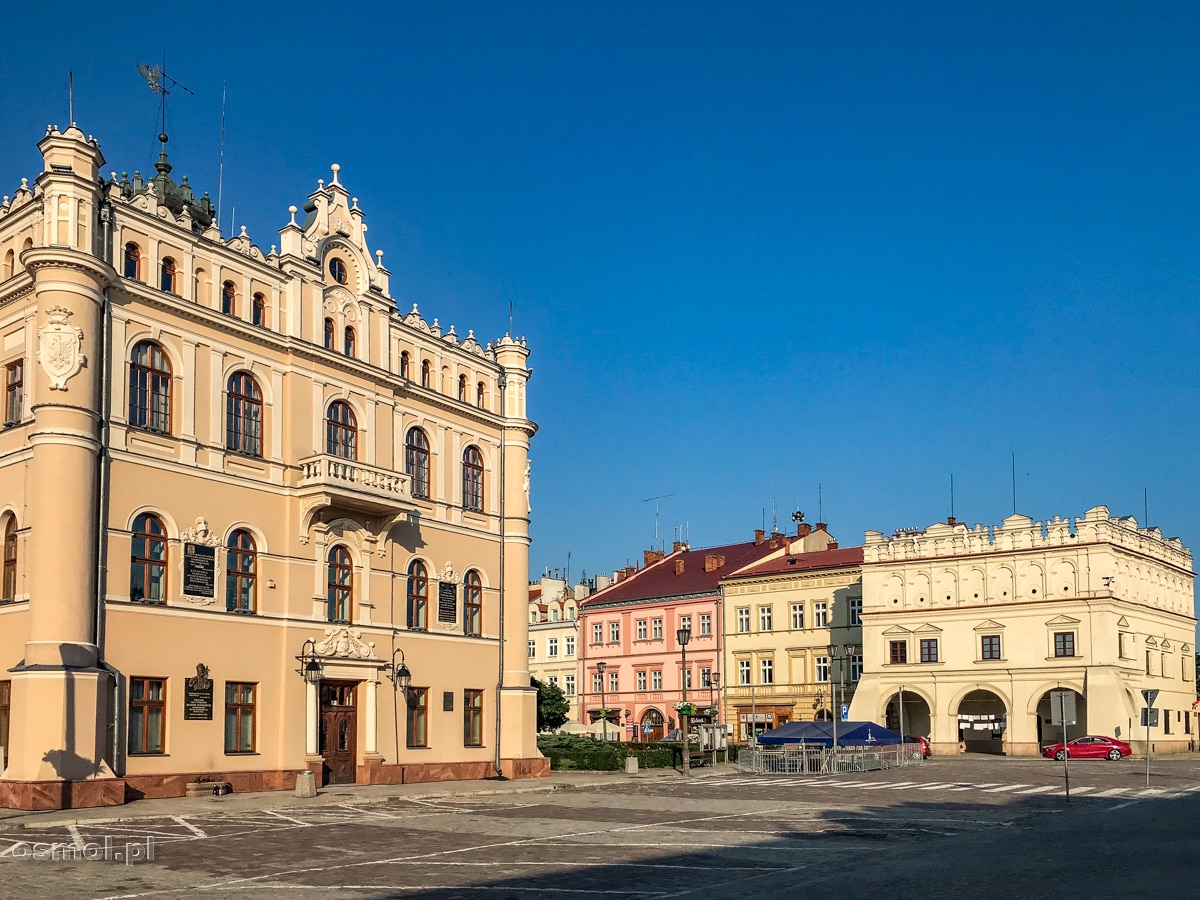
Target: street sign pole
1062,713
1149,695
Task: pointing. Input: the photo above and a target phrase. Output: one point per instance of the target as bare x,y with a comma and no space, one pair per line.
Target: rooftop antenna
161,83
820,504
774,518
71,97
510,318
647,500
952,495
1013,453
221,164
1146,507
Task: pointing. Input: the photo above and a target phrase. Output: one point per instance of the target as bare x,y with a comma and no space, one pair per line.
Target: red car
922,749
1088,747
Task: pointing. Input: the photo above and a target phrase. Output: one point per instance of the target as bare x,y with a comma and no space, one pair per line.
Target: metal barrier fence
815,759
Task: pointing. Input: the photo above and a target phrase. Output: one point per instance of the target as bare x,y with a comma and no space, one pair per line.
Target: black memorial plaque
198,699
199,571
447,602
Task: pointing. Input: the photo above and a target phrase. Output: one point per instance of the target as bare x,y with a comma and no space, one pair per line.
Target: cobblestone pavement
1001,828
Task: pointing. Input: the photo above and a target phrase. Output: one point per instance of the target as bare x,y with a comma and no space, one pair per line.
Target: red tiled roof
814,559
659,579
535,591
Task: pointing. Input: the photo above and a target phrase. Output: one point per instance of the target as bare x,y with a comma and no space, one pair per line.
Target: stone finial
354,205
273,250
292,212
320,184
335,168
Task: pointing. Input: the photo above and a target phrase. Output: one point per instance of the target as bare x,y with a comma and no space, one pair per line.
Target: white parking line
1111,792
1005,787
1039,790
1082,790
936,785
189,826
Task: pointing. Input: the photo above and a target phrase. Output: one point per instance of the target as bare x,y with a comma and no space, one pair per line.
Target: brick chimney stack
803,529
679,566
759,537
650,557
712,562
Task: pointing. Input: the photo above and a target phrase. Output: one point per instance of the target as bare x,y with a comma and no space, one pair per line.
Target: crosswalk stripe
935,786
1005,787
1082,790
1111,792
1151,792
1039,790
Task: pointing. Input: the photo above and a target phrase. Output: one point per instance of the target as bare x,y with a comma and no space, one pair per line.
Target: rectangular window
856,666
569,685
147,715
822,665
820,614
656,629
929,650
14,381
686,622
1166,720
533,649
989,646
743,620
613,685
569,649
239,717
897,652
641,681
656,680
1064,643
764,618
797,616
766,671
597,683
641,629
597,633
472,718
856,610
416,732
571,613
552,646
1125,645
554,680
705,677
705,624
687,679
554,615
614,632
743,671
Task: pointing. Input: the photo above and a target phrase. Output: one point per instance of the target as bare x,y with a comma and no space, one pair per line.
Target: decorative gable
990,624
928,629
1062,620
897,630
1122,622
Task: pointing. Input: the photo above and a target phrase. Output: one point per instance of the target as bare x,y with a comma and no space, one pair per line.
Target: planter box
208,788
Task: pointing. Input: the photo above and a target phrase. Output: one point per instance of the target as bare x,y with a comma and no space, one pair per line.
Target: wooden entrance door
339,731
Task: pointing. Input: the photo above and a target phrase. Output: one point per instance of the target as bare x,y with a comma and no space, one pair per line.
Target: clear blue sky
754,247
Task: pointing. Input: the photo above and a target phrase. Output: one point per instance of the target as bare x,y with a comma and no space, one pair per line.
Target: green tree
552,706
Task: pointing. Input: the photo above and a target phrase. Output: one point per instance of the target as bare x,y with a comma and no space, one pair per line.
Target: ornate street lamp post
601,668
684,636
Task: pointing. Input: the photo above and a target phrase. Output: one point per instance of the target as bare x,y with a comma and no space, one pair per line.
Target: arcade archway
651,726
982,721
1047,713
916,718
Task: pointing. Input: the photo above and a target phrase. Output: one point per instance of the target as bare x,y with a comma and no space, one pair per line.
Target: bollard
306,784
631,763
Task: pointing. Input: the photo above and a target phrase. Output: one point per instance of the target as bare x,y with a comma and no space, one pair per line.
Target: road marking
1005,787
936,785
279,815
1111,792
1082,790
189,826
1039,790
900,785
1151,792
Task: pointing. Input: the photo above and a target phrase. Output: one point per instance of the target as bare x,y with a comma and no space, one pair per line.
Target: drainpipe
503,385
103,465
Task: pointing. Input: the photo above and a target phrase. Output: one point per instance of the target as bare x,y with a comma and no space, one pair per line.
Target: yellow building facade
793,635
970,630
554,637
257,520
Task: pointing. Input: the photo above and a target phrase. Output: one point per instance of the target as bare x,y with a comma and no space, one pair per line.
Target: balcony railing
346,482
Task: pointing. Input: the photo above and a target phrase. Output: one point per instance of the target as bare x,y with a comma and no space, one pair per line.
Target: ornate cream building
974,627
256,519
782,617
554,637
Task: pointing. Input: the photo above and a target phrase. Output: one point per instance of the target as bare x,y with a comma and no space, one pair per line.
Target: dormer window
337,269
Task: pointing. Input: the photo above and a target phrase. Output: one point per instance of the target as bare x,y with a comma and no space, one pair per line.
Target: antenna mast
221,164
656,499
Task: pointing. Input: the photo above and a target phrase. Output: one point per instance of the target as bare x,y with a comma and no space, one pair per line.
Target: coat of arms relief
60,348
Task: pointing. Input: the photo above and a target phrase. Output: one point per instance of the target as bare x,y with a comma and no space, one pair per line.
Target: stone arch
966,689
262,376
167,519
260,538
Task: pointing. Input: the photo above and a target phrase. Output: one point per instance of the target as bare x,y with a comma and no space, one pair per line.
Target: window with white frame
552,646
705,623
569,647
614,632
597,633
820,614
766,671
822,664
554,680
797,616
656,680
743,619
656,629
856,610
687,679
641,681
743,671
597,682
856,667
613,682
685,622
705,677
641,629
569,685
533,649
764,618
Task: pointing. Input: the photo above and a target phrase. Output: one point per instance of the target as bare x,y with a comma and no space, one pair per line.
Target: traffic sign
845,711
1150,718
1150,694
1062,707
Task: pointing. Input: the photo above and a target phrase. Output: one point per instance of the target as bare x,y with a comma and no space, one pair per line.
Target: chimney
650,557
620,575
832,545
679,545
679,566
950,520
712,562
759,536
822,527
803,529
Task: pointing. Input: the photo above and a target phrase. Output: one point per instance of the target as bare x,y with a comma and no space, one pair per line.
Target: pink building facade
632,666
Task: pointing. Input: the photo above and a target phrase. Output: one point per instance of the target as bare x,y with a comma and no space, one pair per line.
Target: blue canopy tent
849,734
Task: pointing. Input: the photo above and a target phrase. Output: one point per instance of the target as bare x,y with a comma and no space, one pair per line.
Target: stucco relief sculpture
525,487
345,643
60,347
200,534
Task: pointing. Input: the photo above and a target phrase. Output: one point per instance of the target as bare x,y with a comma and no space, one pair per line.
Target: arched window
329,331
258,311
404,364
199,285
241,570
341,431
348,346
418,595
462,388
243,415
416,461
479,395
472,475
337,269
341,584
9,263
133,262
148,560
166,279
150,388
10,559
426,373
229,299
472,603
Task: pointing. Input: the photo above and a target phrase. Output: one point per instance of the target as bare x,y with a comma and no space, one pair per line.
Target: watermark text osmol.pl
129,852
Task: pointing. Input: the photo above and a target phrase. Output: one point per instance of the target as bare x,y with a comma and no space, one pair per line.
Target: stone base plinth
44,795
